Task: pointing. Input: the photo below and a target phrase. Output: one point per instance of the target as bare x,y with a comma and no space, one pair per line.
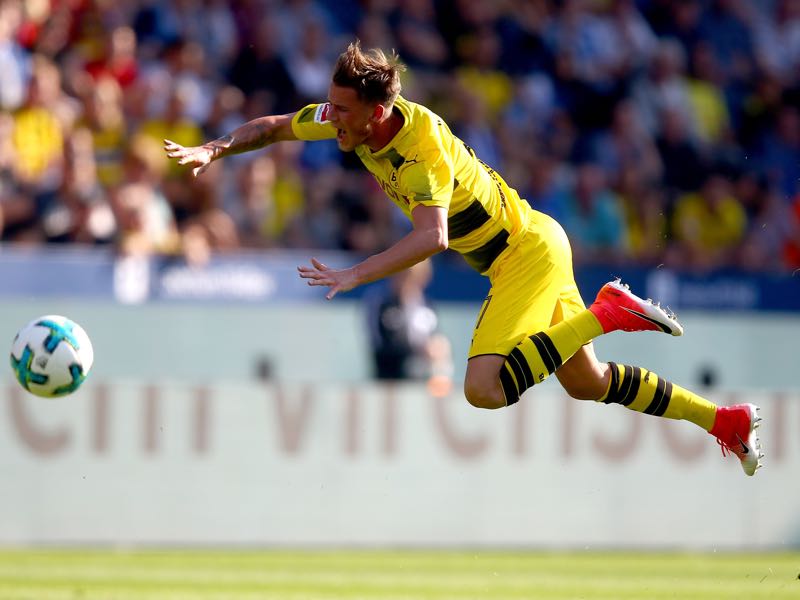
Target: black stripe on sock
551,348
662,408
657,398
613,389
509,389
625,383
521,369
548,361
634,375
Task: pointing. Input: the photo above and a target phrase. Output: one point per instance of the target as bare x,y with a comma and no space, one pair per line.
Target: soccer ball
51,356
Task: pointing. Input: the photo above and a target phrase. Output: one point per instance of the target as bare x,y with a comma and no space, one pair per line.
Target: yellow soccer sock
539,355
643,391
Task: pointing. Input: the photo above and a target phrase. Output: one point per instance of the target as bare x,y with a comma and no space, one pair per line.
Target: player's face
352,118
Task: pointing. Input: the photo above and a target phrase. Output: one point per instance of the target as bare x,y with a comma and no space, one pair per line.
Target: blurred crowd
656,131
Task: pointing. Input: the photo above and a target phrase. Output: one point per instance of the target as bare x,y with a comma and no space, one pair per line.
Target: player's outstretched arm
428,237
252,135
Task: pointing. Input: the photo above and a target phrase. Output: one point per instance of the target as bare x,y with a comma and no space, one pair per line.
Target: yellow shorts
533,287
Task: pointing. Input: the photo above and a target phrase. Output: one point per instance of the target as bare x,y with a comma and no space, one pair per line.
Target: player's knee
483,396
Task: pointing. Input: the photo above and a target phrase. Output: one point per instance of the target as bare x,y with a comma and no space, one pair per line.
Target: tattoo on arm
251,136
225,141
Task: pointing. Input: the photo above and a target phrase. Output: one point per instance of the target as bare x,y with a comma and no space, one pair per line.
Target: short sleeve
429,184
311,123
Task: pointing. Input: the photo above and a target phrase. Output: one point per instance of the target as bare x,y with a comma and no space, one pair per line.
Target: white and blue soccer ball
51,356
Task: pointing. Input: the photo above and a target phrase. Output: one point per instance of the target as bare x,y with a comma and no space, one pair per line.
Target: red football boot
735,430
619,309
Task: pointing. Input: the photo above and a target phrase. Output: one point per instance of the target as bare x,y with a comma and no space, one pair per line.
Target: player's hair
374,76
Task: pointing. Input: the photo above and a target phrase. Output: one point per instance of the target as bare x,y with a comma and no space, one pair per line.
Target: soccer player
533,323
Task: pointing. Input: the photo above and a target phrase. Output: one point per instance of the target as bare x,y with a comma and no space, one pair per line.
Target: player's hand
196,157
342,280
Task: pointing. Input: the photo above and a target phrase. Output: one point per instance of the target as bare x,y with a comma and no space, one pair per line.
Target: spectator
319,223
522,27
777,40
256,216
419,40
542,88
725,27
217,34
145,222
627,145
39,128
17,208
14,61
209,233
632,36
709,224
374,31
532,106
781,152
259,66
577,31
293,16
118,58
225,112
403,328
79,212
310,66
680,155
709,108
472,125
758,111
104,117
481,72
665,87
157,24
645,206
772,225
547,183
174,125
593,217
271,193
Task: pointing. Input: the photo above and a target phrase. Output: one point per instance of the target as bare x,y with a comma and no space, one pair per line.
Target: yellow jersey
38,141
426,164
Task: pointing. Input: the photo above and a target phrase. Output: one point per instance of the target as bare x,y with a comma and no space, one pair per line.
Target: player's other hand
342,280
196,157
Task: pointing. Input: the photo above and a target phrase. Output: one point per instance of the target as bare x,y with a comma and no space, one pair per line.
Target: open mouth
340,135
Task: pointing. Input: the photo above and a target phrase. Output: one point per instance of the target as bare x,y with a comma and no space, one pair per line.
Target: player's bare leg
583,376
482,384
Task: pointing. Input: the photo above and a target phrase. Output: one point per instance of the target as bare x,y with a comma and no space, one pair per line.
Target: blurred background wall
366,465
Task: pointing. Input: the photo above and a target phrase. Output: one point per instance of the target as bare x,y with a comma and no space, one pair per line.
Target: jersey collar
400,105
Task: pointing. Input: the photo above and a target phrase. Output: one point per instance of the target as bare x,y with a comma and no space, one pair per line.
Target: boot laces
724,447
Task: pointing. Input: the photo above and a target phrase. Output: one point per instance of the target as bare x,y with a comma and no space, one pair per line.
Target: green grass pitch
392,575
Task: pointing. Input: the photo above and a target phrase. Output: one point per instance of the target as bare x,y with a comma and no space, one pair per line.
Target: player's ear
378,113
